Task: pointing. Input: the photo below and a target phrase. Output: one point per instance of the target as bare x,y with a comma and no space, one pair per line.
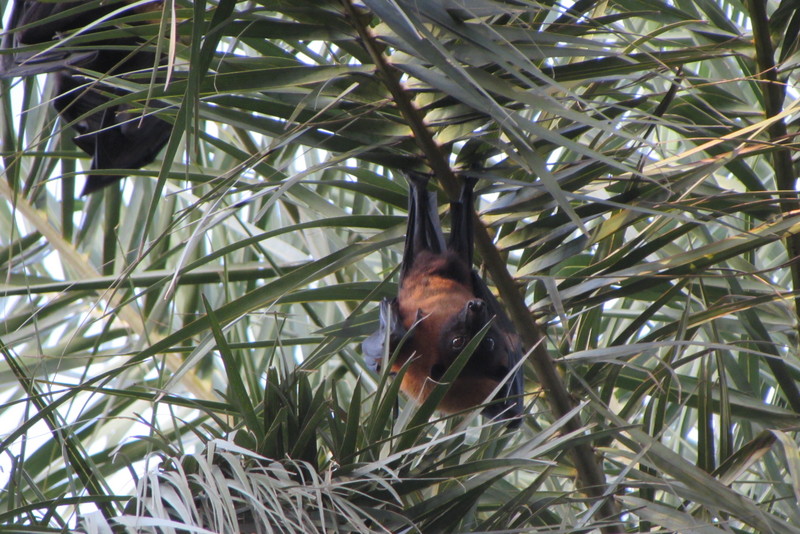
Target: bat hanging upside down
449,300
114,136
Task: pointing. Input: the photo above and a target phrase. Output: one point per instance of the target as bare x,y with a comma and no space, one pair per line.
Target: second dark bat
113,136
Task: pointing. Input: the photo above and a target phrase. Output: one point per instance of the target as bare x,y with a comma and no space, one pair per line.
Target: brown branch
588,465
774,94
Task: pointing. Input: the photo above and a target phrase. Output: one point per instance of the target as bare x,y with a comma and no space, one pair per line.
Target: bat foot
417,179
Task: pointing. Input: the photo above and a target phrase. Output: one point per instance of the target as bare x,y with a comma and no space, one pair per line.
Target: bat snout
474,315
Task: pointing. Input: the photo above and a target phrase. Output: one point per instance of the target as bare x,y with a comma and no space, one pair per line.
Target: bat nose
473,315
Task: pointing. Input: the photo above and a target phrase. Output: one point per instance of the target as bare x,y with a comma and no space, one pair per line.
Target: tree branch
588,465
774,94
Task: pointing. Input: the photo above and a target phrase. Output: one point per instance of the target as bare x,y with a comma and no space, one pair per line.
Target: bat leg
461,231
424,231
390,325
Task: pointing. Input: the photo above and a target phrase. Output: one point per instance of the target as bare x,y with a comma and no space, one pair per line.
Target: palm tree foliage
195,329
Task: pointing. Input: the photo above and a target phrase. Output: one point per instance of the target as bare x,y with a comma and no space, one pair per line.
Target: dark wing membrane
389,322
508,348
113,138
130,142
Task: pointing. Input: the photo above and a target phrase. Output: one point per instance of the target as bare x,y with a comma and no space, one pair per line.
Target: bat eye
458,343
489,343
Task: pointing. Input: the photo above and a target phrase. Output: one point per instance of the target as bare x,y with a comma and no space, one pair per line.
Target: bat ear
374,347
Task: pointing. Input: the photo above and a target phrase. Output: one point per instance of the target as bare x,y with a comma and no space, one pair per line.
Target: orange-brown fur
441,305
437,298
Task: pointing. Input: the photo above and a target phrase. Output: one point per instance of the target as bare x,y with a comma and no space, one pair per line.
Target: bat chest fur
434,296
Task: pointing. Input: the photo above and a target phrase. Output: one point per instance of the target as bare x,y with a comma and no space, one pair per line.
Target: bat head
437,338
457,331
